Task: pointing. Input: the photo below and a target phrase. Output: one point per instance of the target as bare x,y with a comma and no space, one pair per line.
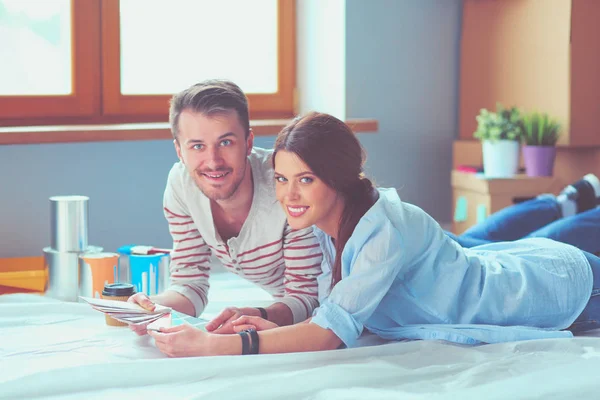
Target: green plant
504,124
540,130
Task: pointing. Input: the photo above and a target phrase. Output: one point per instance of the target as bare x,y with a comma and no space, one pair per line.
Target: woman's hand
222,323
250,322
182,341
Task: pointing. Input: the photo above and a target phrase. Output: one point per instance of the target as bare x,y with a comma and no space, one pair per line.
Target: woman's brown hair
333,153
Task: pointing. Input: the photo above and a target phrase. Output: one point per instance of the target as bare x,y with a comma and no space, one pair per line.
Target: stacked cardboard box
475,197
539,55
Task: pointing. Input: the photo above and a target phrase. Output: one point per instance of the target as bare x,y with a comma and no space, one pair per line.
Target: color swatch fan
128,313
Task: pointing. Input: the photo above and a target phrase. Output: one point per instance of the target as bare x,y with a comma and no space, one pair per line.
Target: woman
390,269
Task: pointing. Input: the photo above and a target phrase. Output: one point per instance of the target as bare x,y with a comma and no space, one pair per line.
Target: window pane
167,46
35,43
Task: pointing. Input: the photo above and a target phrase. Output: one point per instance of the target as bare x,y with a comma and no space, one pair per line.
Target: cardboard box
538,55
475,197
23,275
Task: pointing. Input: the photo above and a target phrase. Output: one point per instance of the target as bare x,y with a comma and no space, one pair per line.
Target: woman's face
305,198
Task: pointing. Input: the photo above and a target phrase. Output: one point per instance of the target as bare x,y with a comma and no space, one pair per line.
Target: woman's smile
296,211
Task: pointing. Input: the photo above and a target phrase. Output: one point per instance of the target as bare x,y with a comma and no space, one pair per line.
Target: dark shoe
585,192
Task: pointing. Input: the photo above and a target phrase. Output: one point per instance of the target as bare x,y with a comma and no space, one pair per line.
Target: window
50,66
102,61
42,29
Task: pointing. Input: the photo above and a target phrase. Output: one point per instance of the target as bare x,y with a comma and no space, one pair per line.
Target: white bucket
500,158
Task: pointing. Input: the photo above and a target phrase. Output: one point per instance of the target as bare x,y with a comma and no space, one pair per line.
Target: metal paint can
69,223
149,273
63,272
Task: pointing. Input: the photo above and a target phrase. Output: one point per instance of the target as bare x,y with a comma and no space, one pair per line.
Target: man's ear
178,150
249,142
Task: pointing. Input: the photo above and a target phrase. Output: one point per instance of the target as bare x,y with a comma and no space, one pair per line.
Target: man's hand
247,322
143,301
169,298
182,341
223,322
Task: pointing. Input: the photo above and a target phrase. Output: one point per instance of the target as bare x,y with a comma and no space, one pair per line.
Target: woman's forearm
298,338
288,339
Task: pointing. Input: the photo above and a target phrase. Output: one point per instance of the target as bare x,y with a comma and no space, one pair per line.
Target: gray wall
402,68
124,180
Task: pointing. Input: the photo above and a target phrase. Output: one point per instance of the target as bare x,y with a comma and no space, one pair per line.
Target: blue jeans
539,217
590,317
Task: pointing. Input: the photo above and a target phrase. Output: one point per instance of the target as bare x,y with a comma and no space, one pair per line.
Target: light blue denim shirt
403,278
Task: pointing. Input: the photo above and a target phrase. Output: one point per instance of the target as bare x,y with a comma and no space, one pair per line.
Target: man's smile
216,176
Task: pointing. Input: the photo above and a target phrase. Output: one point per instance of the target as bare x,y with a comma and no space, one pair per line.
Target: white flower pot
500,158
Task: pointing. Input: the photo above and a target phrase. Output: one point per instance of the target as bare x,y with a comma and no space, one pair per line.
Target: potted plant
500,134
540,134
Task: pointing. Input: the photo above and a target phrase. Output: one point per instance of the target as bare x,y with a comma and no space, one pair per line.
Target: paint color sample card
128,313
175,319
180,319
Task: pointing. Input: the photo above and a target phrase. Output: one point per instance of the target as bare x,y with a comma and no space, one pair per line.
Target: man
220,200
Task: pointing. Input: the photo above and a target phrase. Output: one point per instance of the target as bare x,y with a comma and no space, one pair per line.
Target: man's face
214,150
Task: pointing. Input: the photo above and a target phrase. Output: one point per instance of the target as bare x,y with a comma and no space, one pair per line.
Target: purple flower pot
539,160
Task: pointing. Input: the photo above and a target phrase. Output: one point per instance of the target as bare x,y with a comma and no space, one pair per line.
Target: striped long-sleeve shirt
267,252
